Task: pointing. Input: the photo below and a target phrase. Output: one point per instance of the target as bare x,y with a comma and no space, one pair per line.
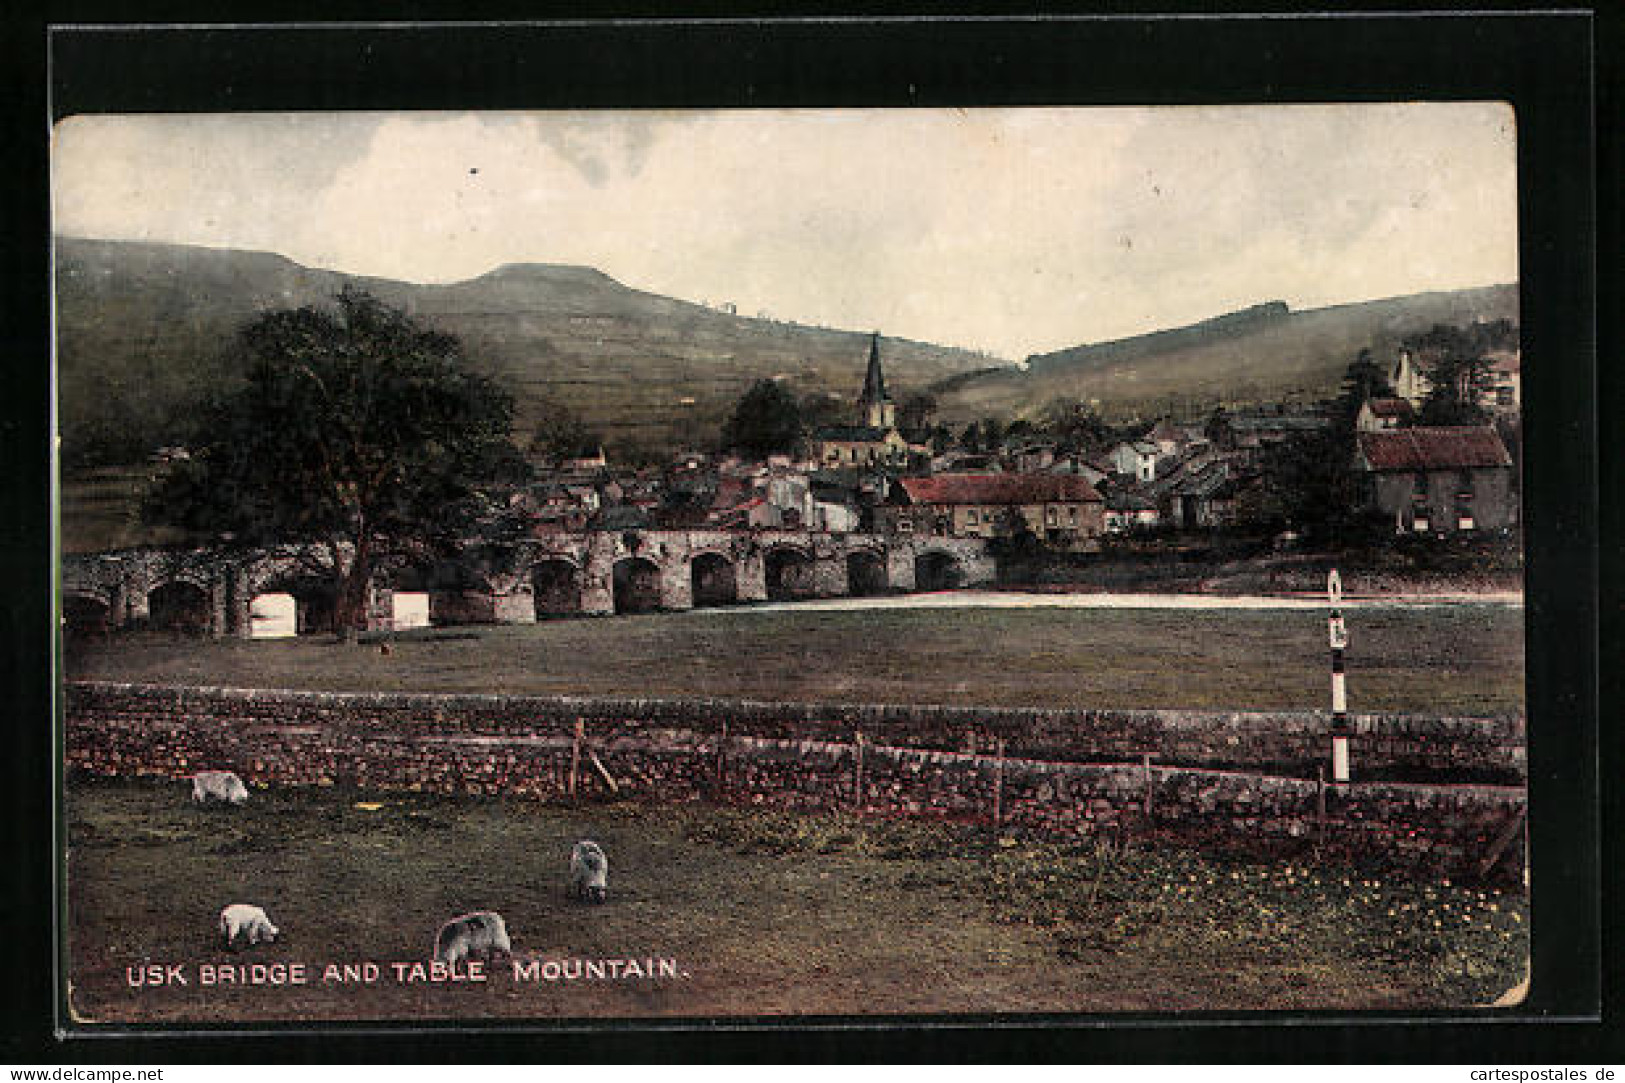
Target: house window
970,517
905,526
1052,516
1072,515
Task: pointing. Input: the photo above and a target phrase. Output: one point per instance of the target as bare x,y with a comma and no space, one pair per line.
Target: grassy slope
1464,660
145,327
1302,356
766,913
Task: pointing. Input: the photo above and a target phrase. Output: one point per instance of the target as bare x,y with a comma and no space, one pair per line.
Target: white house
1137,459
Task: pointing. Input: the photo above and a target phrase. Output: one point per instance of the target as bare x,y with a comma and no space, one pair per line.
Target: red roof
1000,489
1390,407
1433,448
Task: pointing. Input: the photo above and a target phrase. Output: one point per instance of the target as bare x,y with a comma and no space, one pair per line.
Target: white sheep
482,934
243,925
218,786
589,871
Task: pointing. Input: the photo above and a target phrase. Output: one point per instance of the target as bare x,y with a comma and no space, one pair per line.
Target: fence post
575,754
998,784
857,782
1150,789
720,773
1320,804
1337,634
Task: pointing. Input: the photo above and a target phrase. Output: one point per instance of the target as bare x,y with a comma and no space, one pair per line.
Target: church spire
878,410
874,384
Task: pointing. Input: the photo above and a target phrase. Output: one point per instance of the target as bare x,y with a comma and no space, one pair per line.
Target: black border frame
1542,62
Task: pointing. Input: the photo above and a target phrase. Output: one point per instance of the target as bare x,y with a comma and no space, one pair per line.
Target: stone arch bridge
585,574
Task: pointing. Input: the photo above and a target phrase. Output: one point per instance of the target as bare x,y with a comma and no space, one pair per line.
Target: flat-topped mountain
144,330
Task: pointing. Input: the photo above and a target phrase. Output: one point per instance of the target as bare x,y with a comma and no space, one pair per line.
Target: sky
1016,231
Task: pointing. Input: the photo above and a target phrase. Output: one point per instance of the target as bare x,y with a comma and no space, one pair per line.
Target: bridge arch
180,605
86,613
866,573
315,598
457,594
936,569
636,582
790,573
555,585
714,579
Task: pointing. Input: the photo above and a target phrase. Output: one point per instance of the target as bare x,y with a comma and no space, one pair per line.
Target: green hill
145,330
1266,353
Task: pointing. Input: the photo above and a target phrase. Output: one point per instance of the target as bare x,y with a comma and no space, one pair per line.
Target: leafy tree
1075,427
357,433
561,434
1458,373
916,411
1218,429
970,439
767,420
1363,379
1020,431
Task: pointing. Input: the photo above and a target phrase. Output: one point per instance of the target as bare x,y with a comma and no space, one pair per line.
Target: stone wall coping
619,706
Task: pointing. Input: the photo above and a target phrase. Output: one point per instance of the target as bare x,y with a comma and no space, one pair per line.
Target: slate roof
866,434
1433,448
1000,489
1277,423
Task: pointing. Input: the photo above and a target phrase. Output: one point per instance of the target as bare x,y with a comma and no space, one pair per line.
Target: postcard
790,564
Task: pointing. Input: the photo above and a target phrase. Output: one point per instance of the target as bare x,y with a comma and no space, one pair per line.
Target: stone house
1060,509
1126,511
1381,415
1503,390
1137,459
1440,480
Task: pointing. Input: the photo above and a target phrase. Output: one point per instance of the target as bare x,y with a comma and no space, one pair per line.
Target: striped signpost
1338,634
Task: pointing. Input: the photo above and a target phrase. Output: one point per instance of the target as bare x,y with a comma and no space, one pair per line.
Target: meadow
1451,660
764,914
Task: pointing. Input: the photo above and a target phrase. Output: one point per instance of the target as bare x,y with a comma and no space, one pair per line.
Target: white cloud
1015,230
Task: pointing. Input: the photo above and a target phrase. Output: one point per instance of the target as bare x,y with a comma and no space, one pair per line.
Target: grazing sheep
589,872
218,786
243,926
481,933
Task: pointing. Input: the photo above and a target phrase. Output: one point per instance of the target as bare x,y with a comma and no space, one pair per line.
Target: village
1072,486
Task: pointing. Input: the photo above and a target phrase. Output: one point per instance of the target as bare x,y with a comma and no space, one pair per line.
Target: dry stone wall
882,761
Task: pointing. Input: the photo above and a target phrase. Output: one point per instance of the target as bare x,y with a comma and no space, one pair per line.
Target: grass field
764,913
1459,660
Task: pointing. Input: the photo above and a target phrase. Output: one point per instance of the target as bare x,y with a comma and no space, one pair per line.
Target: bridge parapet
589,573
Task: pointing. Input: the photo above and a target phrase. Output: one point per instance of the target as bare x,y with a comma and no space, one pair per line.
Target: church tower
879,412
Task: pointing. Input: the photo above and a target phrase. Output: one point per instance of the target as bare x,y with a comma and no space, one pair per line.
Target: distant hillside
1261,354
145,329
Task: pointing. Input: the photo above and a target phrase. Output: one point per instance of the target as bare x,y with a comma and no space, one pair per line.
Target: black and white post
1338,634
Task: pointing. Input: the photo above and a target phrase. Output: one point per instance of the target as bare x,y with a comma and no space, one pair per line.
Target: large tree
1458,372
357,434
766,420
560,433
